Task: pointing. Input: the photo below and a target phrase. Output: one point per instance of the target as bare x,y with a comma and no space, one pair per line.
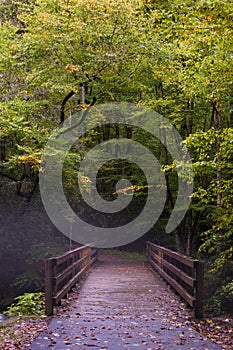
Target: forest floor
127,308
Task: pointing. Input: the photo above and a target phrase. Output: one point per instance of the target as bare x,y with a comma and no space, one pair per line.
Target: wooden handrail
184,274
63,272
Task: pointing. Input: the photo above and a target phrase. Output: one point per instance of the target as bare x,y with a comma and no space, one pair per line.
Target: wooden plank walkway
122,304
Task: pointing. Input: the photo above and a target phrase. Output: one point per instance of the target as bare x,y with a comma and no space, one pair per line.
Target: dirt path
122,304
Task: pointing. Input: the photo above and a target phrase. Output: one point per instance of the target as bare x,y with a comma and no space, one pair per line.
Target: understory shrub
28,304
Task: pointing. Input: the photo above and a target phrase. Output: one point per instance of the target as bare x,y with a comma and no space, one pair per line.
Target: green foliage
227,292
29,280
28,304
218,288
207,162
41,251
129,255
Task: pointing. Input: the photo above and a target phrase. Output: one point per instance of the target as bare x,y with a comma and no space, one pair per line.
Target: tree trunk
2,149
179,245
62,111
217,123
189,234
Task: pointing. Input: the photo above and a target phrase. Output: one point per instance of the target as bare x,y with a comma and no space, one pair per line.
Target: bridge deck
122,304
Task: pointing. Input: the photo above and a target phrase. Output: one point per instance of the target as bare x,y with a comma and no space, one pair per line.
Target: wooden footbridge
185,275
123,303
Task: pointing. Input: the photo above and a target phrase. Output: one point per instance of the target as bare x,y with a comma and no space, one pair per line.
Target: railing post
49,286
57,271
199,289
160,254
147,250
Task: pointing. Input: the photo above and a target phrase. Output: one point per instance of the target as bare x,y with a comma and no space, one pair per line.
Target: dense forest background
63,56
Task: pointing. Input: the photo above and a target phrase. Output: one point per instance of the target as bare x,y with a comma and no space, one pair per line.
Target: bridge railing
63,272
184,274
